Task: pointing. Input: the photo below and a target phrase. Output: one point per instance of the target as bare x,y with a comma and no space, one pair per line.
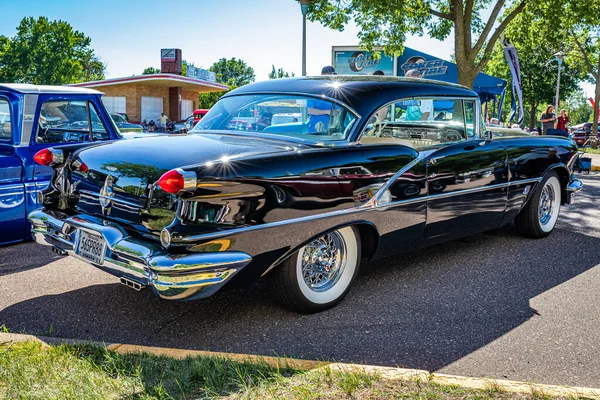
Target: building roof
37,89
166,80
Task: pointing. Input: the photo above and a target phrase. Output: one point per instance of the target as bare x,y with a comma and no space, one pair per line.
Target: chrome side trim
29,107
352,210
407,167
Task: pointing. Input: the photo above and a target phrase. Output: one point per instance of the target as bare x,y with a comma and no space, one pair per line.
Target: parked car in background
301,203
199,114
184,125
125,126
582,132
34,118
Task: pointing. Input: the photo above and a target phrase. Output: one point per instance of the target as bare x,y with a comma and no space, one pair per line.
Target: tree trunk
532,116
596,102
465,67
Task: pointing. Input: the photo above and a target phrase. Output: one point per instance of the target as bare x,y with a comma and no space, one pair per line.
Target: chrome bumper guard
574,186
140,262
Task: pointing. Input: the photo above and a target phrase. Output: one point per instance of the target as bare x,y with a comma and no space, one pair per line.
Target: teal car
125,126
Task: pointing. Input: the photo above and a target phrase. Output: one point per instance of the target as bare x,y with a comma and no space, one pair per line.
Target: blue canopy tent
486,86
352,60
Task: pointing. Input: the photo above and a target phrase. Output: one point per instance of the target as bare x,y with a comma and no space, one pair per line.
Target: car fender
368,232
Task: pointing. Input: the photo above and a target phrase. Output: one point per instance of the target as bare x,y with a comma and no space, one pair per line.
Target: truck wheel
538,218
318,276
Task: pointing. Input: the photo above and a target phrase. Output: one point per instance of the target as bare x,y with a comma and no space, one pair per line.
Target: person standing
548,118
563,121
162,122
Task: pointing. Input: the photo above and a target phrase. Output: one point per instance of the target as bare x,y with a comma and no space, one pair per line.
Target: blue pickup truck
33,118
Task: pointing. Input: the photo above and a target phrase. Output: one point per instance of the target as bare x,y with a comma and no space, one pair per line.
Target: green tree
232,72
48,52
531,37
151,71
578,108
279,73
386,23
583,25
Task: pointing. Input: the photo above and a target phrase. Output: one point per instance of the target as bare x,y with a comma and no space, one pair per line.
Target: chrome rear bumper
574,186
140,262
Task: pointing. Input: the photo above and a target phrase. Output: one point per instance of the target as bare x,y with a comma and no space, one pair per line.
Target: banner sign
515,70
358,62
200,73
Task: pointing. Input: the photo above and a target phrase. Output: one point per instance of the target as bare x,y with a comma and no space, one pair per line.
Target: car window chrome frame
311,95
391,103
12,122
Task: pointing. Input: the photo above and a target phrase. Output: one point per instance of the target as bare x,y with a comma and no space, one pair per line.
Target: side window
470,120
418,123
5,120
64,121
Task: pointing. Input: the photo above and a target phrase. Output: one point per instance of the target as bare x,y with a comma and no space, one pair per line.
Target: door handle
432,161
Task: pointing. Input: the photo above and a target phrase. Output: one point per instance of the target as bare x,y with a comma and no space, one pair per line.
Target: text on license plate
91,247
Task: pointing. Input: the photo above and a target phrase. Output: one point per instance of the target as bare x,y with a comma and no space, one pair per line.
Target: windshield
286,115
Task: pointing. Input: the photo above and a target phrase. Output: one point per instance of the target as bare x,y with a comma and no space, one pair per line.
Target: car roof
359,92
27,88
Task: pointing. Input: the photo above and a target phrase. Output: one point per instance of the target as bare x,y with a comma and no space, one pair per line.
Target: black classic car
369,167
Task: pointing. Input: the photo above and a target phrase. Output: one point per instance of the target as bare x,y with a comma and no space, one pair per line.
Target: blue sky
127,35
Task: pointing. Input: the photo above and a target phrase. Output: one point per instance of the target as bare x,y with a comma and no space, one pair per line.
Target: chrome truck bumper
138,262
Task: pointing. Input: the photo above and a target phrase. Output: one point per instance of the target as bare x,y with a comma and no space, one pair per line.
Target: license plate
91,247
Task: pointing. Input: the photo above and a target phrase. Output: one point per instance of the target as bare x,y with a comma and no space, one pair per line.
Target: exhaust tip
132,284
59,251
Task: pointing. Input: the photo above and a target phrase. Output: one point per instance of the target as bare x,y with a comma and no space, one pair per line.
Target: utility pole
304,9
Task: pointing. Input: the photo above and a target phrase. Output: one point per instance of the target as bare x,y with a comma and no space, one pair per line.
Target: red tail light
49,156
44,157
83,168
176,180
171,182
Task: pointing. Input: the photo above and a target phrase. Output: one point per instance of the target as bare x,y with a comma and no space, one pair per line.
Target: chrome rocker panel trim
171,276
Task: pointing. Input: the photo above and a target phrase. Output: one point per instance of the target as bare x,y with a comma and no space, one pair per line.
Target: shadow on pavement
421,310
24,256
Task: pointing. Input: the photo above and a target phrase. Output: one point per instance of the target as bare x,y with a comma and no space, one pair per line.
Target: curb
385,372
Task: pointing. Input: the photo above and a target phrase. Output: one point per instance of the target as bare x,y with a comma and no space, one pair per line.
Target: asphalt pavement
492,305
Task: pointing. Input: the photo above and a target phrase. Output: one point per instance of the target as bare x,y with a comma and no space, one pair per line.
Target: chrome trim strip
366,207
30,102
407,167
11,194
12,187
96,196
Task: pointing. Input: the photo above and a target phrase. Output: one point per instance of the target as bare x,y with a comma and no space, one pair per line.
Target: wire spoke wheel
323,261
546,204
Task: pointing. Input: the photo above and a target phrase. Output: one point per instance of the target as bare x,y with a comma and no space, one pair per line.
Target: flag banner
515,70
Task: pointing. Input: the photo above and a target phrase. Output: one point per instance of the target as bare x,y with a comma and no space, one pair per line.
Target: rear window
5,120
66,121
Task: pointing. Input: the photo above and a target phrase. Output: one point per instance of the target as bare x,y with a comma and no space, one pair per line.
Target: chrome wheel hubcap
546,206
323,261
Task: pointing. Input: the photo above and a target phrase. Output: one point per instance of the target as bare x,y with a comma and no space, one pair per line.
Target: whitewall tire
539,216
319,275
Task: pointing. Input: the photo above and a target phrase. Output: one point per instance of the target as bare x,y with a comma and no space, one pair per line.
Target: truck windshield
286,115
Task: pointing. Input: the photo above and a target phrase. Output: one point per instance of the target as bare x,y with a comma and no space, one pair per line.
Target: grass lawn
33,371
591,151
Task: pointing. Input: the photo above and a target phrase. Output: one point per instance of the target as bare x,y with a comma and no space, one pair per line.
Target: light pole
304,9
559,58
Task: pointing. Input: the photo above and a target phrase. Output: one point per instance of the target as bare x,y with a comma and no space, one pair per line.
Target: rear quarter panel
531,158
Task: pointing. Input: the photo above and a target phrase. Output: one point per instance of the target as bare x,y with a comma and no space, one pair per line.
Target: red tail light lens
44,157
171,182
83,168
176,180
